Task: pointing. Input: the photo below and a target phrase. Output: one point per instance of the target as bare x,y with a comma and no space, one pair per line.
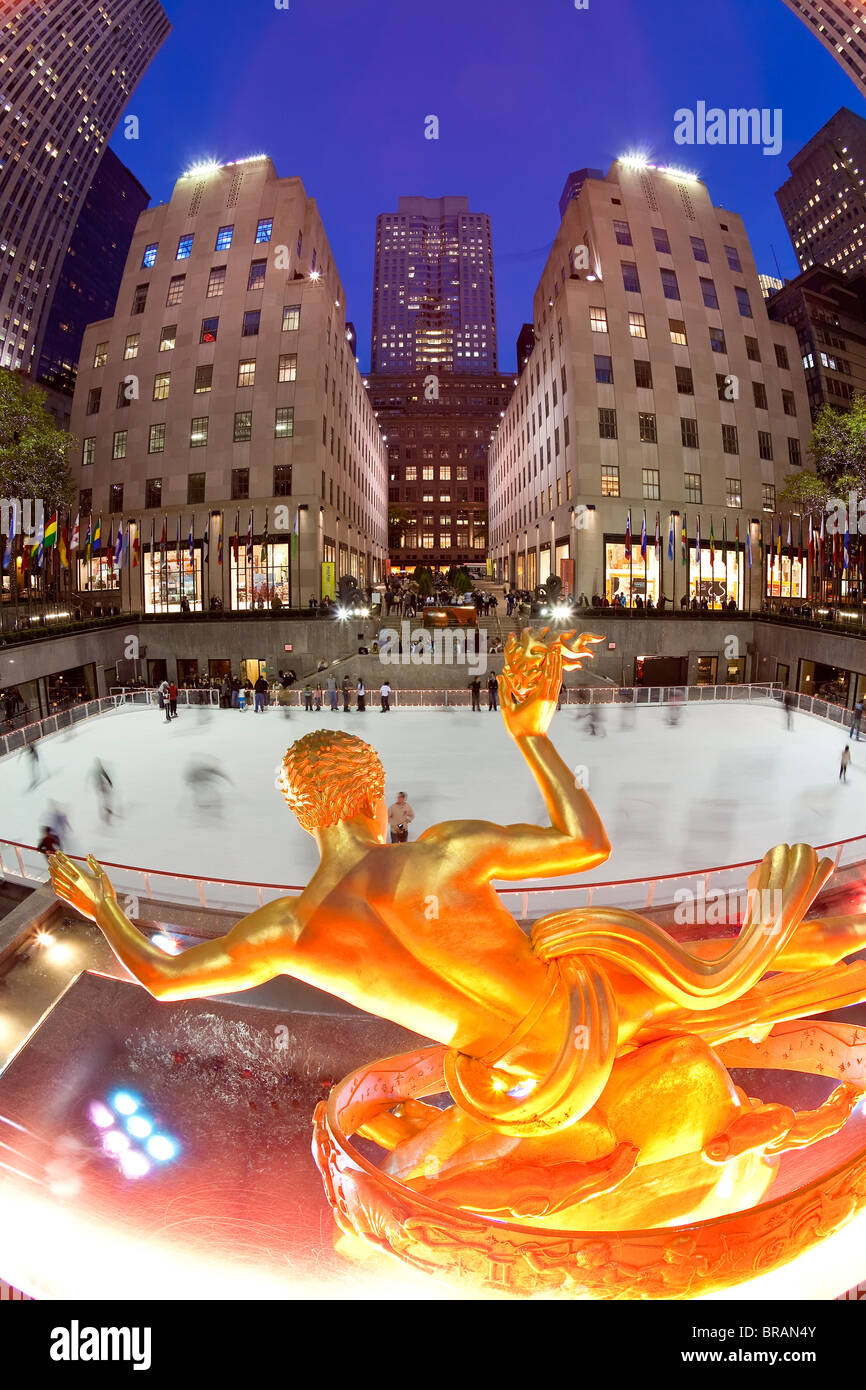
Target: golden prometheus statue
589,1136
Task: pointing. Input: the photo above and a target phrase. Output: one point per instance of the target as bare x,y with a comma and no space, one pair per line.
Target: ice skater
857,720
104,790
846,763
332,692
308,699
788,703
261,690
492,692
361,693
49,844
35,766
164,700
58,822
172,700
203,782
399,816
385,696
475,687
318,697
347,691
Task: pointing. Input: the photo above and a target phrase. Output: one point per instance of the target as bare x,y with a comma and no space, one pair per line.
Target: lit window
224,238
264,229
168,337
243,431
184,247
130,348
769,490
651,484
692,487
291,317
198,432
88,450
118,445
598,320
161,385
100,356
175,290
216,282
247,372
637,325
256,279
284,422
610,480
288,369
149,257
734,492
156,443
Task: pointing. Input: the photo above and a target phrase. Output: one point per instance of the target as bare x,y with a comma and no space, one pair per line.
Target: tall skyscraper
92,270
824,201
841,27
66,73
573,185
434,306
828,312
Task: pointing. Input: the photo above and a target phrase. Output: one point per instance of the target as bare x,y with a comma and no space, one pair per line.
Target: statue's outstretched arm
257,948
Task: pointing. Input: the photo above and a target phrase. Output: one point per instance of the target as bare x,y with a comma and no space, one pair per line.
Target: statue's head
331,777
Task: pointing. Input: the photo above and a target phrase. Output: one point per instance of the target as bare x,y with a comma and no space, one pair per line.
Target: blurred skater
857,720
845,764
203,779
788,703
58,822
49,844
35,766
475,687
104,790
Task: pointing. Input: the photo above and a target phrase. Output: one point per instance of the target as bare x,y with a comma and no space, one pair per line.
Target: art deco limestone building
223,398
657,384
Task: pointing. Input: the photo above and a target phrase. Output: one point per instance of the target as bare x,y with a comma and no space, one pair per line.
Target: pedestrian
475,687
172,700
332,692
399,816
308,698
362,695
492,692
347,690
385,696
261,690
318,697
49,844
846,763
857,720
165,700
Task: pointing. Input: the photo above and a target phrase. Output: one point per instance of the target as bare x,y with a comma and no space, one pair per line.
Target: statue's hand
87,890
531,713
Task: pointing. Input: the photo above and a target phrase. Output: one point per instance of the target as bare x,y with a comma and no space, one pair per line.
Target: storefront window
782,584
717,582
255,583
169,578
629,577
98,573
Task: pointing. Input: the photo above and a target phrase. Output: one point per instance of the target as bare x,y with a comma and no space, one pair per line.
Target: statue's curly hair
328,777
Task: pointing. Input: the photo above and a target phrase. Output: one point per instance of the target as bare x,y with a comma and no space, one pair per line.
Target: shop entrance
252,668
707,669
660,670
187,671
218,668
826,682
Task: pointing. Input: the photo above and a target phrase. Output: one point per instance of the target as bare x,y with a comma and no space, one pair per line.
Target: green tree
34,453
838,446
423,578
459,579
808,493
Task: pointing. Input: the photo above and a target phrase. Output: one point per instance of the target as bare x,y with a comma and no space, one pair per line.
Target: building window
203,378
607,423
251,323
630,277
284,422
637,325
598,320
733,492
224,238
733,256
651,484
643,375
264,229
717,340
130,347
115,497
94,397
175,290
184,247
88,450
288,369
689,433
100,356
198,432
216,281
247,372
794,456
411,472
743,301
139,299
781,356
428,473
209,330
118,445
604,370
678,332
670,284
759,391
730,439
753,350
161,386
153,494
291,317
685,381
85,499
692,487
127,390
243,431
149,258
168,337
622,232
240,483
647,426
708,290
283,480
789,402
610,480
765,444
662,241
256,279
699,249
195,489
769,490
156,442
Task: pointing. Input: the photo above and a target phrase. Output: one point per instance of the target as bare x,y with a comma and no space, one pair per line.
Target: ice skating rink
725,786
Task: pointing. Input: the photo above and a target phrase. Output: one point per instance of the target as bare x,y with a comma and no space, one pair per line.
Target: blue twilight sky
336,91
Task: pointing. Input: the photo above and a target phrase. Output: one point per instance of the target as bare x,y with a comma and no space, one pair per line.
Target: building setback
657,383
434,304
438,430
223,396
828,313
66,73
841,27
823,203
93,268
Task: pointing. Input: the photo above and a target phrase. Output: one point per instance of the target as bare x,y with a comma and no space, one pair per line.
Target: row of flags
819,546
125,548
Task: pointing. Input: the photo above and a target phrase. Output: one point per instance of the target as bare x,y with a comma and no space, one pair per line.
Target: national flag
800,542
821,541
788,541
846,548
698,542
643,538
748,543
671,540
235,536
684,541
97,536
250,539
761,543
628,535
177,542
109,545
163,538
51,533
152,539
36,549
63,545
7,554
220,541
725,541
136,549
658,539
127,537
263,554
190,542
76,534
88,542
118,546
712,546
779,541
205,541
296,534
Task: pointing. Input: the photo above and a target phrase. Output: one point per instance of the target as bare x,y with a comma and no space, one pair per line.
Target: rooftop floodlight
200,171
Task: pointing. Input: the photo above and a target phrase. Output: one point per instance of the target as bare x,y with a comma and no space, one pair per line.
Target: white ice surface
724,787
